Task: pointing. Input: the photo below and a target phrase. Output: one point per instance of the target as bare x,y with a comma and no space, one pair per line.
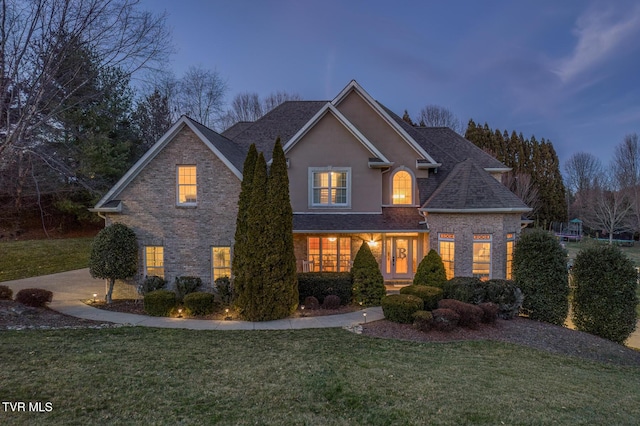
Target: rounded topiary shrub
186,285
489,312
470,315
401,307
368,283
152,283
429,295
311,302
159,303
224,289
464,289
505,294
331,302
431,271
199,303
605,299
34,297
540,271
423,320
445,319
5,293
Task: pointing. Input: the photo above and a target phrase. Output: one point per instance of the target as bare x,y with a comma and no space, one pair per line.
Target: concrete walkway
72,289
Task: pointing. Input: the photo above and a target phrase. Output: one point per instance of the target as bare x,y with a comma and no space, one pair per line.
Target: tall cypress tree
281,284
240,246
250,294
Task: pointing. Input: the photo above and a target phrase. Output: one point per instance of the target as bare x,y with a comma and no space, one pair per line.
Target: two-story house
357,173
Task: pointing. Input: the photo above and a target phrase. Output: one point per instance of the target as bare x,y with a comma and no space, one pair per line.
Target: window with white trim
482,256
154,261
331,254
511,241
187,186
220,262
330,187
402,188
447,251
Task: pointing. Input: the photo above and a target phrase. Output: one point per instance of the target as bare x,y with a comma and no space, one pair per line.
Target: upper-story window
187,187
330,187
402,188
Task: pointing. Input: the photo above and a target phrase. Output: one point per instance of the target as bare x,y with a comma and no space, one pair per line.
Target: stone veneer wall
186,233
463,226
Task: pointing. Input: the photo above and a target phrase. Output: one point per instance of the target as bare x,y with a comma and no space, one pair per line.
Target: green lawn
313,377
24,259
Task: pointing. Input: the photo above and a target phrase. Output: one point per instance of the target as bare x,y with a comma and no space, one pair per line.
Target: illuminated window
187,187
329,254
510,244
447,249
402,188
221,262
330,187
482,256
154,261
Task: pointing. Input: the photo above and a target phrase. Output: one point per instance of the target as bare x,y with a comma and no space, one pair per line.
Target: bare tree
626,162
582,171
279,97
37,38
438,116
200,95
248,106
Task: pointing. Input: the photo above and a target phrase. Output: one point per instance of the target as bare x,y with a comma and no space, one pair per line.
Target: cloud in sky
601,29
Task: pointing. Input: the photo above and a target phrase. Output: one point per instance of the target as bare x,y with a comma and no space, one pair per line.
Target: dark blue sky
568,71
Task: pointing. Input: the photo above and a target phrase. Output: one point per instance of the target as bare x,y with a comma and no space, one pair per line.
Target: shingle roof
468,187
234,153
391,219
236,129
282,122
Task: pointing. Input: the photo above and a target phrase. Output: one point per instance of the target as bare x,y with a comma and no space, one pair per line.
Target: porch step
394,286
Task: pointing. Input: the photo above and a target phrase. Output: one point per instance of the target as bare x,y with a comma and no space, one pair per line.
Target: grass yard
312,377
31,258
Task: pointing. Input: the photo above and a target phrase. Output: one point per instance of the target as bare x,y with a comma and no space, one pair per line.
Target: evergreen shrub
224,290
431,271
445,319
401,307
605,299
540,271
464,289
322,284
503,293
368,283
152,283
331,302
470,315
429,295
186,285
34,297
423,320
199,303
489,312
159,303
5,293
311,302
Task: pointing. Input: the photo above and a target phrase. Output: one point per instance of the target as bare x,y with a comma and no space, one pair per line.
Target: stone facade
464,226
186,233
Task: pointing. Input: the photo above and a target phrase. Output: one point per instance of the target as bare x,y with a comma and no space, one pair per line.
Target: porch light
332,239
372,243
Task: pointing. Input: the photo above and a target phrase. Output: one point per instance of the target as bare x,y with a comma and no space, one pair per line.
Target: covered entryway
400,254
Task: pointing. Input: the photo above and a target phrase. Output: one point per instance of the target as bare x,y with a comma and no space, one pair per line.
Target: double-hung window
330,187
482,256
221,262
154,261
511,240
447,249
187,186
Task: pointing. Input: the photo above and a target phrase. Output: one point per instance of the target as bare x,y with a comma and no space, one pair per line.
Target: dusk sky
568,71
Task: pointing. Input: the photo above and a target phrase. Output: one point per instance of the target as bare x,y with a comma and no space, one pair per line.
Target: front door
399,257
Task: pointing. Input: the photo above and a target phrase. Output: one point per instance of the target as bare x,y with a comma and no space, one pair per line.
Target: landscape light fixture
227,317
179,312
95,296
364,314
302,309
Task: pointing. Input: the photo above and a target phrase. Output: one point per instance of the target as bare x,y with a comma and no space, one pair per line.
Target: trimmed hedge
199,303
159,303
311,302
429,295
331,302
470,315
34,297
464,289
224,289
5,293
401,307
423,320
152,283
605,300
503,293
445,319
489,312
540,271
186,285
323,284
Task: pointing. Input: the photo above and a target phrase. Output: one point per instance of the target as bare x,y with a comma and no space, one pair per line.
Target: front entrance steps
394,286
